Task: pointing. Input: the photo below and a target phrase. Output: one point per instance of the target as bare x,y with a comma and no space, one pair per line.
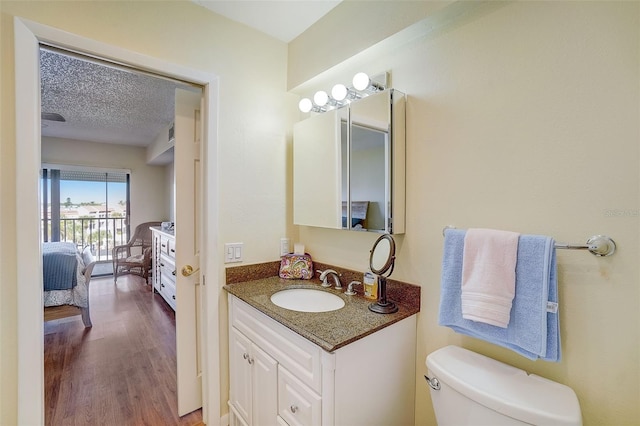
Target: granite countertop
329,330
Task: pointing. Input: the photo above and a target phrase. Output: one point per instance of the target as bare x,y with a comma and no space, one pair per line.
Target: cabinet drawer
167,246
164,244
168,267
168,290
297,404
171,248
292,351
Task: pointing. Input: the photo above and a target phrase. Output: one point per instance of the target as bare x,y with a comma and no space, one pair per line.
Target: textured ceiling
103,103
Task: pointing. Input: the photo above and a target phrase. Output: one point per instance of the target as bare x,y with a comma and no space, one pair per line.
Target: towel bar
599,245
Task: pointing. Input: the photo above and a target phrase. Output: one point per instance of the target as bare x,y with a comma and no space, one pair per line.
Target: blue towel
532,332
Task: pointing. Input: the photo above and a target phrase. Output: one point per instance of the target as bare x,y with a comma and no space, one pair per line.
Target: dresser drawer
168,290
167,246
297,404
168,267
295,353
171,248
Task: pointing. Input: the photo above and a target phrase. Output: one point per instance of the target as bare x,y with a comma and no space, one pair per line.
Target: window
89,207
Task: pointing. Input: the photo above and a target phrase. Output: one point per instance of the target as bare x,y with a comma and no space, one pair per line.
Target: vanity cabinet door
240,383
253,381
265,385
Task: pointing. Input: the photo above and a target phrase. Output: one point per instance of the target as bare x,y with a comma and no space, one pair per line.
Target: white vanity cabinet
164,265
278,377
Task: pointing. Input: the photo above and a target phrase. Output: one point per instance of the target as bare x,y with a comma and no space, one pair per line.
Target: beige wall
149,193
358,22
255,118
521,116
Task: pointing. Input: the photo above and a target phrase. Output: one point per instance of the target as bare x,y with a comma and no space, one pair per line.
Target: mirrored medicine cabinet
349,166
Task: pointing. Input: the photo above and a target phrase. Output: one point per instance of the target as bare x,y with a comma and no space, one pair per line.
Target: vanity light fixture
341,95
305,105
362,82
321,98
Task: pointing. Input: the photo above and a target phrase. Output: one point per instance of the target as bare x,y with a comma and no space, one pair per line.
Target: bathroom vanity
344,367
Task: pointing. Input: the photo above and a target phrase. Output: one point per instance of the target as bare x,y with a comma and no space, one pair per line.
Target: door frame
30,329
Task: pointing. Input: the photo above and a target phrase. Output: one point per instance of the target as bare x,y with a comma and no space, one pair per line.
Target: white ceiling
281,19
111,105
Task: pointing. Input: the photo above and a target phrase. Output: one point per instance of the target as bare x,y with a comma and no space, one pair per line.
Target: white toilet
471,389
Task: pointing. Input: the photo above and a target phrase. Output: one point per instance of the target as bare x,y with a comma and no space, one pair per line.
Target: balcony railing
101,234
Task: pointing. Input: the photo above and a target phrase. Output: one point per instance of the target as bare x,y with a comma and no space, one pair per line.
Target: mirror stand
383,306
381,262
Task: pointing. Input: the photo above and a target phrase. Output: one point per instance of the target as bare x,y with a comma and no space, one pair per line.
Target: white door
187,230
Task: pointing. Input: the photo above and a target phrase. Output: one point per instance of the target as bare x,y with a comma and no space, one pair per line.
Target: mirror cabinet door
369,183
317,171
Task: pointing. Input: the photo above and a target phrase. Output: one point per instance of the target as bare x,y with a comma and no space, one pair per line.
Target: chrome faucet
336,278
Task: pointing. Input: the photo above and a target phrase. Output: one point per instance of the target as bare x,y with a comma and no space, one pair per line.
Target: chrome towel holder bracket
598,245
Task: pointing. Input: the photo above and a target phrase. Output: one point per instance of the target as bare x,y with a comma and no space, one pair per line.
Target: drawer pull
164,245
161,264
248,358
293,408
173,250
173,297
173,273
161,284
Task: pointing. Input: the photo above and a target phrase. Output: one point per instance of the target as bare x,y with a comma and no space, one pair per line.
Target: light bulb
339,92
361,81
321,98
305,105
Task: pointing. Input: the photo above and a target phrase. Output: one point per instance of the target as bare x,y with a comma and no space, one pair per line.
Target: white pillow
87,256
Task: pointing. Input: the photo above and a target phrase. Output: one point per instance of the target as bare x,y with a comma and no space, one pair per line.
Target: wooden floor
122,371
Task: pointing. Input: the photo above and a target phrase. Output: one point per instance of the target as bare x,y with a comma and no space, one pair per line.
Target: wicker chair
135,256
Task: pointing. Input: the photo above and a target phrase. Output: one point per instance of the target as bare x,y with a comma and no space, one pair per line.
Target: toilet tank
477,390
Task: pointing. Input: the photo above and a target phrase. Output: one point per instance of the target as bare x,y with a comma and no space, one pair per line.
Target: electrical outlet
233,252
285,246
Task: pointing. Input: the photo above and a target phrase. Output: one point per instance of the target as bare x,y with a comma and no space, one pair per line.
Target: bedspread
76,292
59,265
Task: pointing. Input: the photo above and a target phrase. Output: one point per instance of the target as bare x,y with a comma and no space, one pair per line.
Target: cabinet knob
247,357
293,408
173,297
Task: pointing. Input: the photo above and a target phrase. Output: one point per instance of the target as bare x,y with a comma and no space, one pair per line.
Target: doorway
28,36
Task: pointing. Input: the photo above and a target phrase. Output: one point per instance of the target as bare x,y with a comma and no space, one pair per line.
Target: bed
66,274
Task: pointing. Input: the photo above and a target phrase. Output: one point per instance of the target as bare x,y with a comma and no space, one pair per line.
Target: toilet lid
503,388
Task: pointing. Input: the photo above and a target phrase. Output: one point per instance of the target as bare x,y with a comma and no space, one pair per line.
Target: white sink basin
307,300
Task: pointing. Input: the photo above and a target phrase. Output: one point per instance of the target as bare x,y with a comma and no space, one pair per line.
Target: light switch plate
233,252
285,246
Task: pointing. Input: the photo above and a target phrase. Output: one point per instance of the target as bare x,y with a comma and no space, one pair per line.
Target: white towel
489,275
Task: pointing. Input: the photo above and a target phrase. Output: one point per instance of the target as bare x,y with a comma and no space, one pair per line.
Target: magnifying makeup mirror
381,262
